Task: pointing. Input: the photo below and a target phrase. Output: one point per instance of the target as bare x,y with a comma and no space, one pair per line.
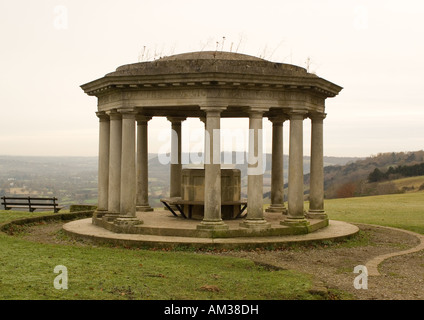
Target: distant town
73,180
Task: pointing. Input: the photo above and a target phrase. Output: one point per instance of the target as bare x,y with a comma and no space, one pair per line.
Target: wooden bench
178,203
31,204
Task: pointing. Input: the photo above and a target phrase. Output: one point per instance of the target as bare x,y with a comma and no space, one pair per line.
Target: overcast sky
373,49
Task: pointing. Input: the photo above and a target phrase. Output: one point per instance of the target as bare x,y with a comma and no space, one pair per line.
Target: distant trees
394,172
376,175
364,176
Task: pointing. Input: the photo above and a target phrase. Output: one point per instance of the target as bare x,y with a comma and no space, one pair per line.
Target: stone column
212,208
128,169
277,169
176,165
255,215
316,193
142,165
296,215
103,170
115,147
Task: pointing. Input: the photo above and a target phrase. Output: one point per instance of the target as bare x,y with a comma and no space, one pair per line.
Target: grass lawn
26,268
404,210
27,272
9,215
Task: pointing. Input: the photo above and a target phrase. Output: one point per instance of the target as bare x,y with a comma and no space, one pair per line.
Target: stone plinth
193,189
163,226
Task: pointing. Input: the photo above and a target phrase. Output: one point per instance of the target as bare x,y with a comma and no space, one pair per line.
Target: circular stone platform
161,229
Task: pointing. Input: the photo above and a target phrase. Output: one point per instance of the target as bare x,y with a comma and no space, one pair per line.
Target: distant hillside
70,179
352,179
74,179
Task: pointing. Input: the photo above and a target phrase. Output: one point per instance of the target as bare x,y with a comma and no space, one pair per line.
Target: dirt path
401,277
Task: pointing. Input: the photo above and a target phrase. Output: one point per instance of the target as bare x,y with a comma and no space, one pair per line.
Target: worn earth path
398,254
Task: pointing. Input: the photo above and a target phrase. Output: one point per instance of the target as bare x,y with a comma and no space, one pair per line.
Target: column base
99,213
144,208
255,224
293,222
125,221
110,216
317,214
276,208
212,225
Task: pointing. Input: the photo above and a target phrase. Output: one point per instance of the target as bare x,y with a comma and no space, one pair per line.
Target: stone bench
178,203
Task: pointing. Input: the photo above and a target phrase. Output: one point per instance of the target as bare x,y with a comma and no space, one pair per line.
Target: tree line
395,172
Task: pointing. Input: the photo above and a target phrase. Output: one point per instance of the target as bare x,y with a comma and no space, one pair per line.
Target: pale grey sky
374,49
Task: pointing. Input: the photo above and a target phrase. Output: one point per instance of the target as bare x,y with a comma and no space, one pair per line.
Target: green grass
26,268
9,215
405,211
26,272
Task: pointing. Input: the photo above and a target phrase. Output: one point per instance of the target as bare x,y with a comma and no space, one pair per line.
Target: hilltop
352,179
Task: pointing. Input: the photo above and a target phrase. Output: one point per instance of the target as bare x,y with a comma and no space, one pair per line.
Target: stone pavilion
210,86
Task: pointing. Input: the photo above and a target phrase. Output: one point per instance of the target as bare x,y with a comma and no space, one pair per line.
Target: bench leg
241,211
190,211
169,208
181,211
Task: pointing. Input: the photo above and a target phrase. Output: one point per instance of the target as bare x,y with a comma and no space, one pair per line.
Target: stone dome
211,62
212,55
210,70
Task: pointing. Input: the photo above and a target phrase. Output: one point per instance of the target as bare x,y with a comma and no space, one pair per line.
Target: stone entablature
191,100
210,78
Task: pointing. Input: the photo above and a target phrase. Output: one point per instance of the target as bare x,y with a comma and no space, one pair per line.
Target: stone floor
164,219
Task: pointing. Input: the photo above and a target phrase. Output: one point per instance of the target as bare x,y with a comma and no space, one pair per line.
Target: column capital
317,115
128,113
102,115
298,114
176,120
278,119
254,110
114,115
212,110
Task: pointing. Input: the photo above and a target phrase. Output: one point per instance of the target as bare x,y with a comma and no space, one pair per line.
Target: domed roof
210,69
210,62
212,55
